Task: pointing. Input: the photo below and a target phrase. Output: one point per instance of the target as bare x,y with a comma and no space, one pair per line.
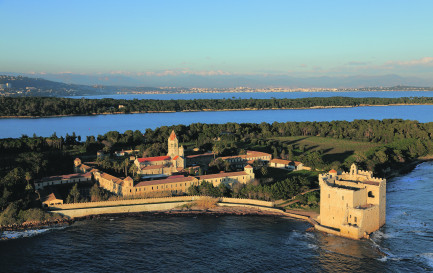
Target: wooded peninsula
384,147
49,106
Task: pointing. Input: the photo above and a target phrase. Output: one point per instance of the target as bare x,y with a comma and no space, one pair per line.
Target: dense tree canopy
48,106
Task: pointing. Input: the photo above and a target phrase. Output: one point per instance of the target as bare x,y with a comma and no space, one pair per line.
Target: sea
233,243
100,124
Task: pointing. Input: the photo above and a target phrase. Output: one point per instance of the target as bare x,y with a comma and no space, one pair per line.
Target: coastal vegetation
380,146
49,106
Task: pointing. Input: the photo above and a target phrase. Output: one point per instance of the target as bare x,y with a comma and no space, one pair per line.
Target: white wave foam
309,235
10,235
312,246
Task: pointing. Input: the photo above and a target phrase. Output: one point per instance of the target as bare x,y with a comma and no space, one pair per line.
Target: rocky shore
36,225
216,211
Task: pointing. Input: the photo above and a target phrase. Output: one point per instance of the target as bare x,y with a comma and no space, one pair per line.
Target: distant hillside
23,82
232,81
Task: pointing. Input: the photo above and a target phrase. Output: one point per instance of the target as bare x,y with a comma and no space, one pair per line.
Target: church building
173,162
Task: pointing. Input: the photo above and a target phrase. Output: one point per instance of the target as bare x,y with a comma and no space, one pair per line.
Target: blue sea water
100,124
235,243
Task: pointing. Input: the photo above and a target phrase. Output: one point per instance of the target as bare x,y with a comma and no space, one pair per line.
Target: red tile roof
332,171
172,135
280,161
221,175
112,178
165,181
176,157
155,158
297,163
153,167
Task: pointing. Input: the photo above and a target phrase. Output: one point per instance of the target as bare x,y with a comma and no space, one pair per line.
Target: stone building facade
352,204
179,184
240,161
173,162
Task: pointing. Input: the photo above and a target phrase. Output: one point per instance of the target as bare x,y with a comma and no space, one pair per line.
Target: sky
242,37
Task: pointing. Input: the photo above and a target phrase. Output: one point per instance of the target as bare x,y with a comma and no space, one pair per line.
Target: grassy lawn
334,149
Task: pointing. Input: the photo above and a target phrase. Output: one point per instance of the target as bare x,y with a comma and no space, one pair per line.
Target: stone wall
147,204
125,202
82,212
247,201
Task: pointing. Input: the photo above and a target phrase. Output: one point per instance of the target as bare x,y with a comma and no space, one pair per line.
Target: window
342,197
329,195
356,219
370,194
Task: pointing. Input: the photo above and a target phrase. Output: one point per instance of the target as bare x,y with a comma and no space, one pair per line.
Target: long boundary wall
149,204
124,202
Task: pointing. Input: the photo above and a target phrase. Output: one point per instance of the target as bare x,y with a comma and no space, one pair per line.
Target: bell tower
173,145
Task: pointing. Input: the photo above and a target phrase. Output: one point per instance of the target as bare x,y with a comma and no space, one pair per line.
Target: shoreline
215,110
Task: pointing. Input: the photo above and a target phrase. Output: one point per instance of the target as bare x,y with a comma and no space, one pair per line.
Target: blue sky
298,38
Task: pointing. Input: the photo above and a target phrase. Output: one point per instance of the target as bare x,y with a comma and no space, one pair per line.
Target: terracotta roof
85,167
256,153
280,161
297,163
172,135
128,179
176,157
175,176
49,195
332,171
248,166
165,181
248,155
155,158
200,155
65,177
221,175
111,177
153,167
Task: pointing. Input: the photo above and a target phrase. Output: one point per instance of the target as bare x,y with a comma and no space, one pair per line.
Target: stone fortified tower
176,153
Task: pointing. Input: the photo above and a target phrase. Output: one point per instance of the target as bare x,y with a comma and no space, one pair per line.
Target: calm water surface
235,243
94,125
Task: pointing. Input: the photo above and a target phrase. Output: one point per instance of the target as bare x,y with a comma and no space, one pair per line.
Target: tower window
370,194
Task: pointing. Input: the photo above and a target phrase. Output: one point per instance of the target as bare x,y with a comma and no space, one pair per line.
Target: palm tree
28,177
133,169
126,164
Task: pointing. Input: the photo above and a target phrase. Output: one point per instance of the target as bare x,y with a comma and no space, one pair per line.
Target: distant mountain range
230,81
